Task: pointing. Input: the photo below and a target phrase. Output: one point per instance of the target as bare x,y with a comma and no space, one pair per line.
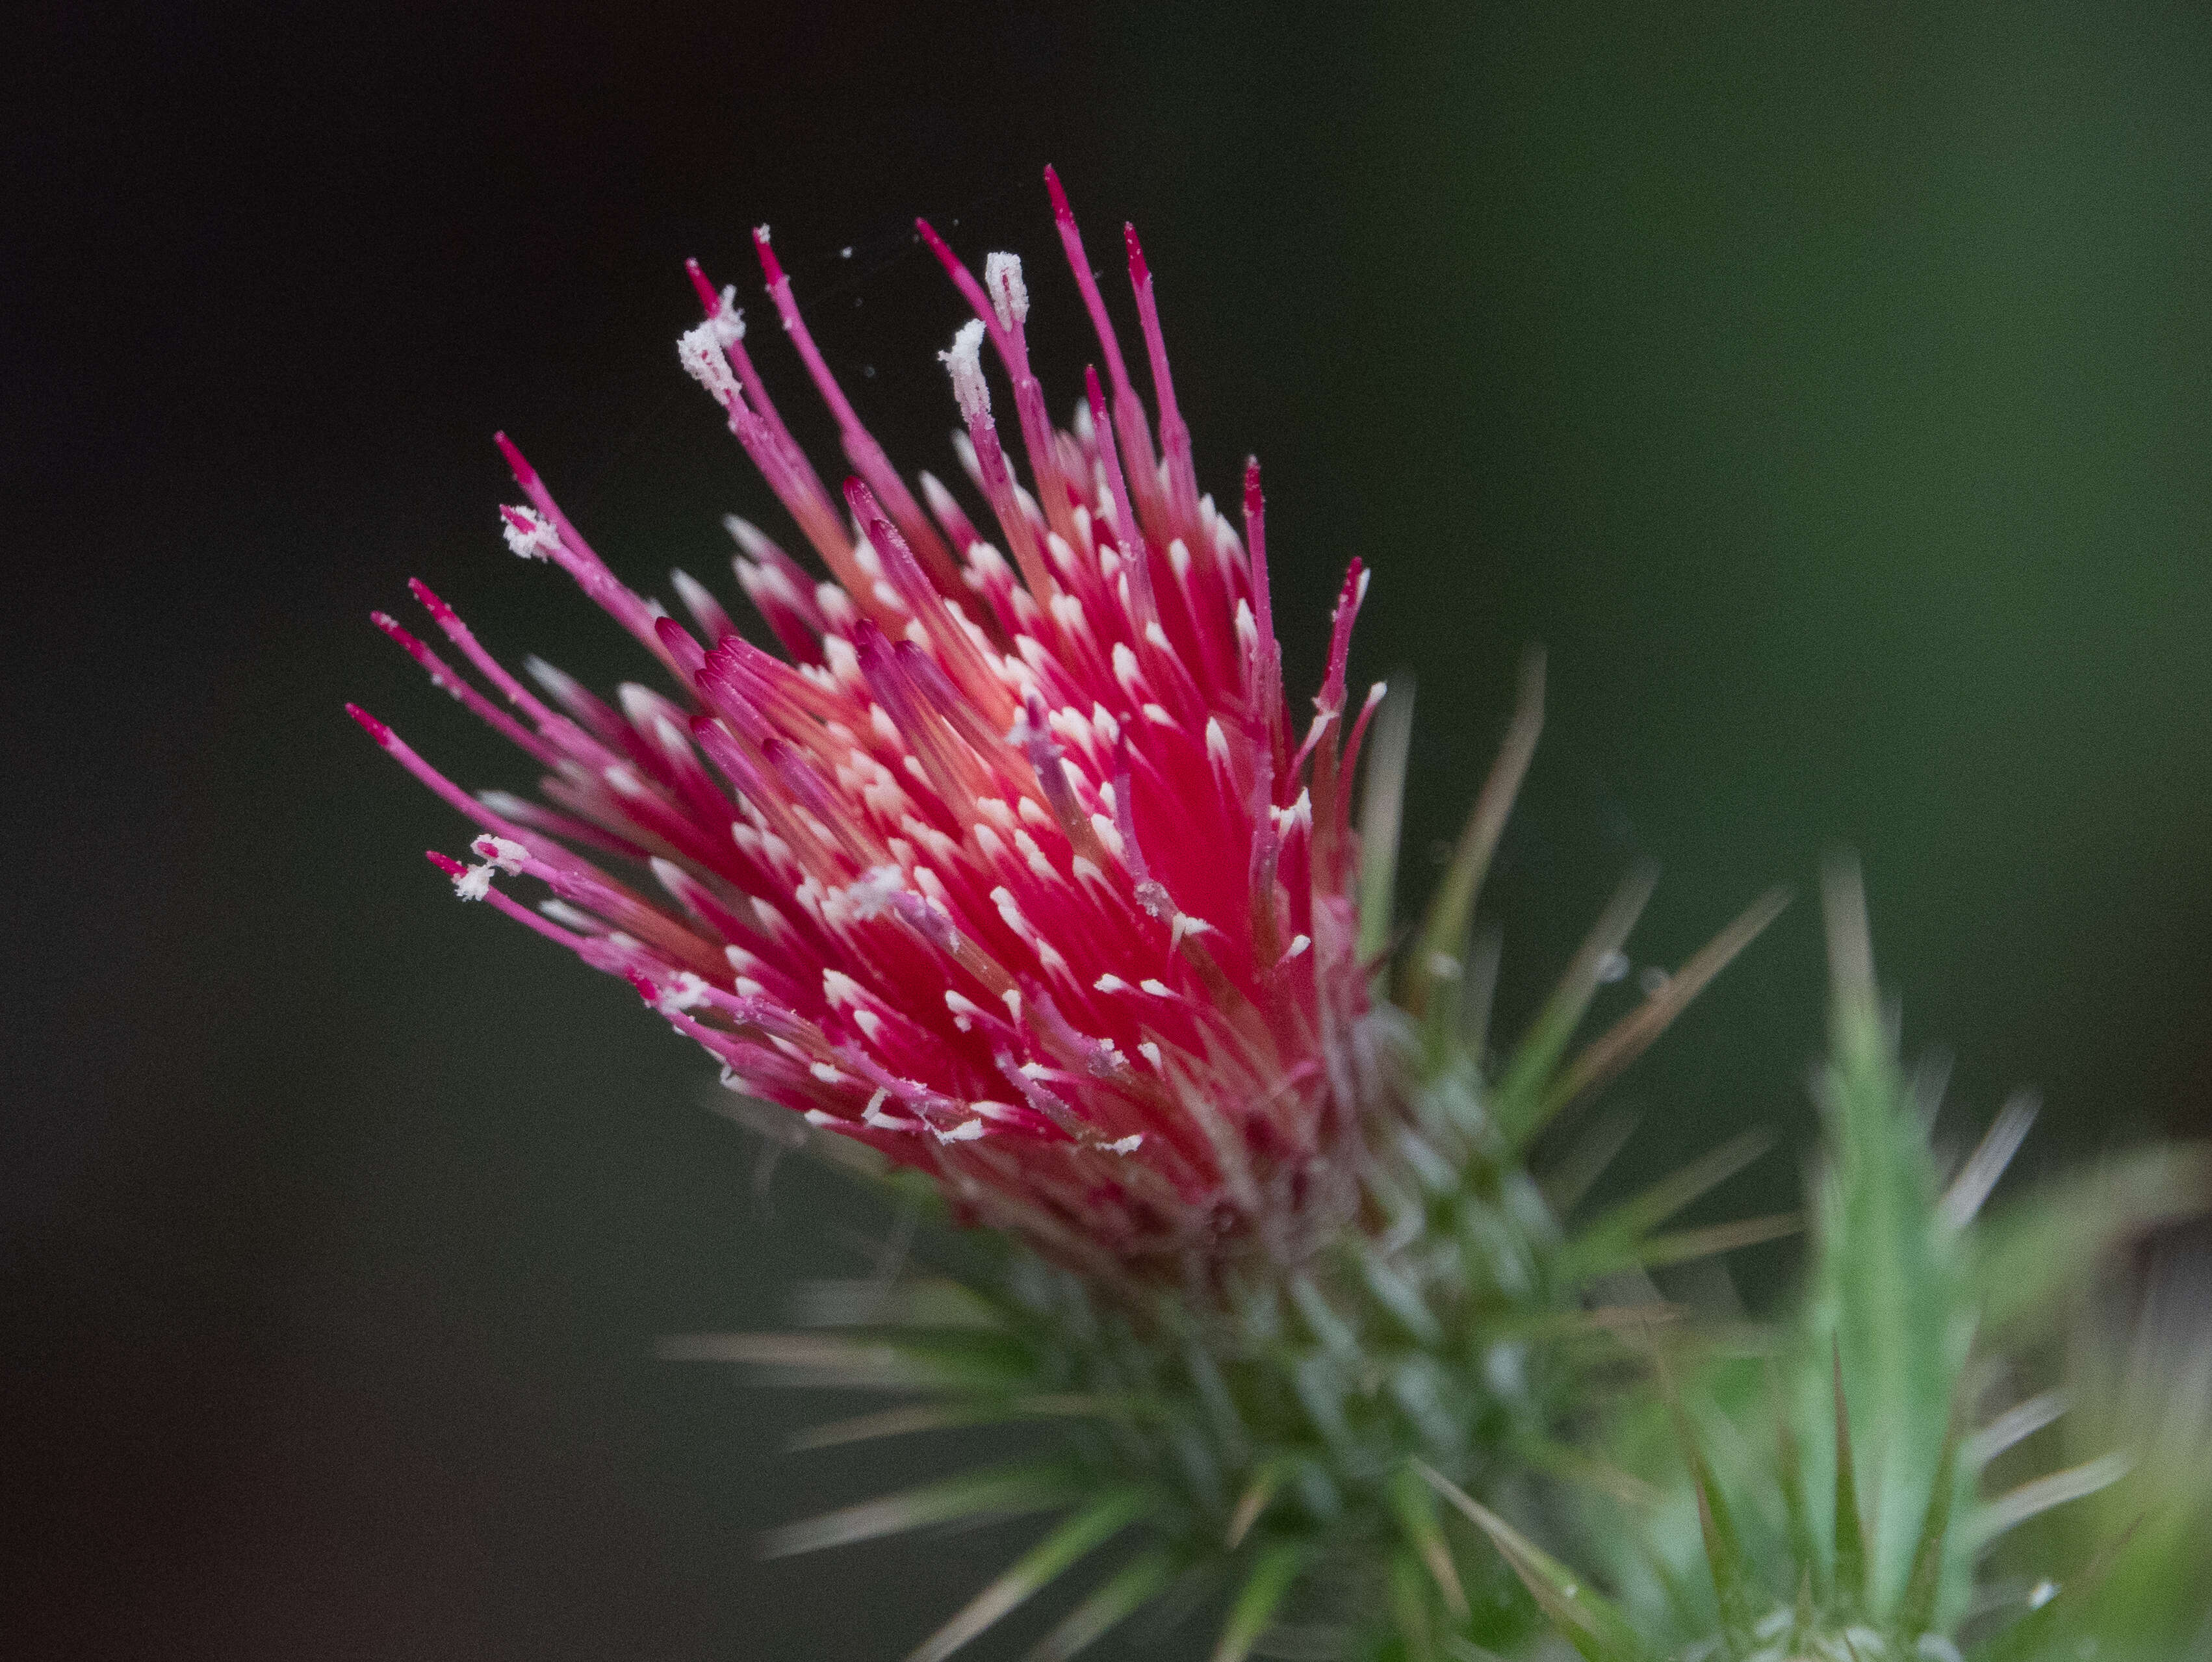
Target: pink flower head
1013,869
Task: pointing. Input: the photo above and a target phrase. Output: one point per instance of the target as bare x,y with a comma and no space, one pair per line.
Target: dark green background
1825,387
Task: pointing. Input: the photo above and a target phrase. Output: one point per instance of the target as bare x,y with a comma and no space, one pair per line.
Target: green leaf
950,1411
1850,1533
1916,1612
841,1362
1409,1607
1441,952
1382,813
1131,1588
1000,1489
1686,1245
1091,1528
1615,1238
2038,1495
1519,1098
1272,1577
911,1301
1889,1299
1254,1501
1605,1056
1586,1620
1589,1471
1964,1196
1723,1547
1790,1473
1413,1504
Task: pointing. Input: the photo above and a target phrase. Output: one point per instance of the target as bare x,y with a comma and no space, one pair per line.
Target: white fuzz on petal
700,351
729,323
530,534
965,361
501,852
1002,275
872,890
689,994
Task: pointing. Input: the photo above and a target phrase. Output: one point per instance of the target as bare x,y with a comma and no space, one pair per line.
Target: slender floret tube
1011,865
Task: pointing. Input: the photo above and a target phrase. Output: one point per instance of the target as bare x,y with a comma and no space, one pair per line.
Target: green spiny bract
1270,1436
1829,1500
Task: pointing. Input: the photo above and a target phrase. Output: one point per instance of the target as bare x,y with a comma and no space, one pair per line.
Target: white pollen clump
530,534
1159,989
729,323
814,1116
871,891
967,1131
474,883
689,994
699,349
1128,1145
1151,1052
965,362
501,852
1002,275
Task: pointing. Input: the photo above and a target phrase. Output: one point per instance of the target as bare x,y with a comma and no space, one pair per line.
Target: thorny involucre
1015,869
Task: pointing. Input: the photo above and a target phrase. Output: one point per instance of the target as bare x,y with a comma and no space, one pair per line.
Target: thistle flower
1013,869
